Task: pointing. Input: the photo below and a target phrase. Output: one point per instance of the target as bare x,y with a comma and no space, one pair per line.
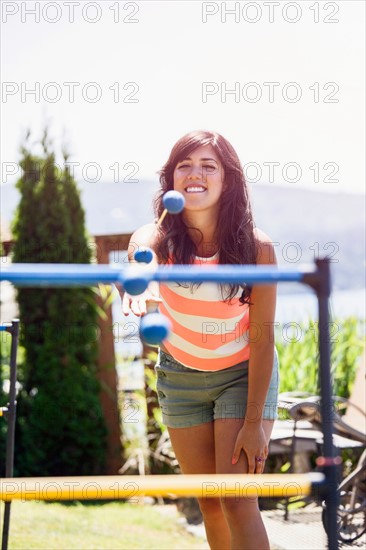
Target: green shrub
60,428
4,374
299,356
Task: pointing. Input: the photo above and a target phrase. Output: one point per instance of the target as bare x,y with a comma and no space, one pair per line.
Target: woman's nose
195,172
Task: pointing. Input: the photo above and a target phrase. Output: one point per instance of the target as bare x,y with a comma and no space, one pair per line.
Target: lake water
299,307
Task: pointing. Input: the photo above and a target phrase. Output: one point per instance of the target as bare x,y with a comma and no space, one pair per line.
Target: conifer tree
60,429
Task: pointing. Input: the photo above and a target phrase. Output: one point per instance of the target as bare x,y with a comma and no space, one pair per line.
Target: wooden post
107,363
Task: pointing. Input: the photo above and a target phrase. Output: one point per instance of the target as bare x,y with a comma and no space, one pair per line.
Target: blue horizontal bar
230,274
74,275
66,275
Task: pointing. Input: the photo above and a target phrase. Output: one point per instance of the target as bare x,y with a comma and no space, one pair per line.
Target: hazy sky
124,80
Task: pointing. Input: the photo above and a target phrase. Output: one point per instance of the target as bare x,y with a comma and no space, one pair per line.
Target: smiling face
200,178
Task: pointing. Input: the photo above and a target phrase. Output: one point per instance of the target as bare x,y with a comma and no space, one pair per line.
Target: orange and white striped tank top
207,333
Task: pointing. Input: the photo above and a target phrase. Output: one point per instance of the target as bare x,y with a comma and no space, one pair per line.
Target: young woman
218,370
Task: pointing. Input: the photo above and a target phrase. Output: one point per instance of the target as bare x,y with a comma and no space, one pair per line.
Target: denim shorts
189,397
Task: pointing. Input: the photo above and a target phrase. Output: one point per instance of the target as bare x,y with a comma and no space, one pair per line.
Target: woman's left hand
251,439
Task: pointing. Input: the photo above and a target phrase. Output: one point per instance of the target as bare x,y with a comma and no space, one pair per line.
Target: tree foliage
60,427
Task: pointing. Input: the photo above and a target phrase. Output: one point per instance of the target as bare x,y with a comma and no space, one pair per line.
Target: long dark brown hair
235,240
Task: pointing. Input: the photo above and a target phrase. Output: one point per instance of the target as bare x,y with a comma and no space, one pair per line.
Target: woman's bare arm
145,236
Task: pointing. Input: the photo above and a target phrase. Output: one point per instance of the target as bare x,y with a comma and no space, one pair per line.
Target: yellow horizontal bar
127,487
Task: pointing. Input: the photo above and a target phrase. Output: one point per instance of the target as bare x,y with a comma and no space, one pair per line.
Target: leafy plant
297,348
60,428
153,454
4,375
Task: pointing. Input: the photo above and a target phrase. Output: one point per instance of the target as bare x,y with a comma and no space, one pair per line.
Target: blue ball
174,202
136,284
143,255
154,328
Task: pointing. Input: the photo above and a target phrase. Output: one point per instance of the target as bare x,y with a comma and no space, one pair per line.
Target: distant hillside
289,215
335,221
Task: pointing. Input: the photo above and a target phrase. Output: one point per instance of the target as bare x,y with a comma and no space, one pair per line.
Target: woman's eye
183,166
209,167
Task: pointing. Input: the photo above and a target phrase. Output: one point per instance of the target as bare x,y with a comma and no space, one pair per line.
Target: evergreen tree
60,429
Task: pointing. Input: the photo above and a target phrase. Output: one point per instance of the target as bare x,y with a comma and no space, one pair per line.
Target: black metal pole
9,466
328,461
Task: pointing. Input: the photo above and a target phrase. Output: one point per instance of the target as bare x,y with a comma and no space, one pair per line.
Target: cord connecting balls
154,327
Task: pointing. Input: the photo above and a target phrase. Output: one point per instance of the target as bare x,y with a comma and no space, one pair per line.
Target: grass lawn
113,525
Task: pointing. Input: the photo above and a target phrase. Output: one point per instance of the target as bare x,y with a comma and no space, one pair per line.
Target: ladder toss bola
153,329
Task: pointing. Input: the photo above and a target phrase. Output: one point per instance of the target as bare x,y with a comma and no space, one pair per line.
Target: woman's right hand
139,304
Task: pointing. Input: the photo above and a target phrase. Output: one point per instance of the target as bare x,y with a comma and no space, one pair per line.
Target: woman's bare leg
243,516
195,451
